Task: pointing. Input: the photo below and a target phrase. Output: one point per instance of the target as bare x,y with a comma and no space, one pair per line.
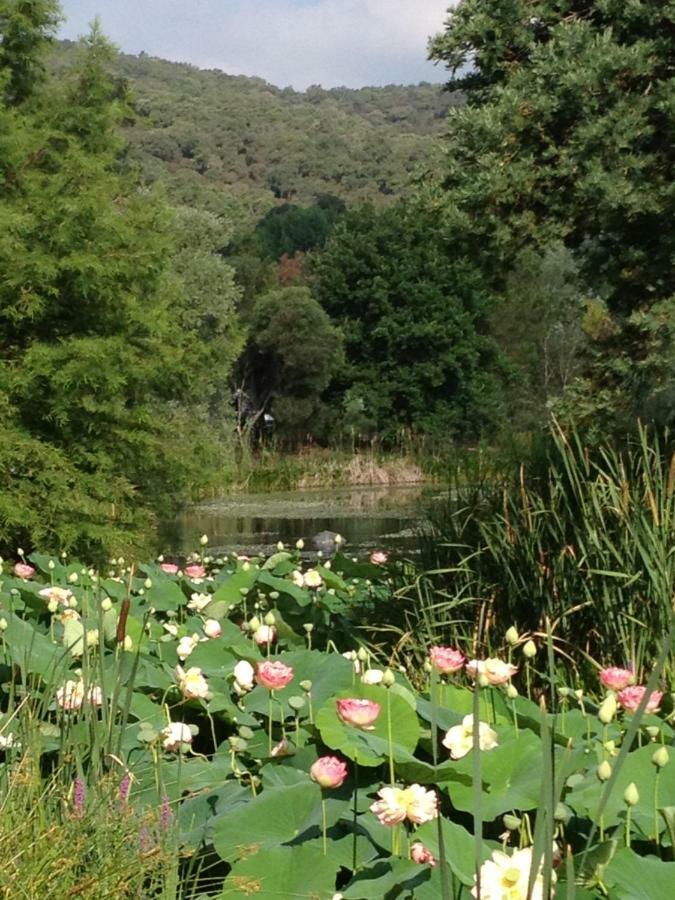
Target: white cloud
297,42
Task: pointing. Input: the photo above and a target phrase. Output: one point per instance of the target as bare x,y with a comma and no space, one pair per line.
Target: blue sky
287,42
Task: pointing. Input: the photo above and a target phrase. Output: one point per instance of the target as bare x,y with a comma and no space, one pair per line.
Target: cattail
78,797
165,814
123,791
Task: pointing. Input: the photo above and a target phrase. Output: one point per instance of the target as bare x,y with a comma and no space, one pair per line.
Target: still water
368,517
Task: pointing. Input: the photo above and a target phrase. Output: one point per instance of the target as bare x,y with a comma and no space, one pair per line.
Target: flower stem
628,827
389,738
323,823
356,803
656,807
269,722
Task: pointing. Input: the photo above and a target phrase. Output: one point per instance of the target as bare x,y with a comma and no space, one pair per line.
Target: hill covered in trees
222,141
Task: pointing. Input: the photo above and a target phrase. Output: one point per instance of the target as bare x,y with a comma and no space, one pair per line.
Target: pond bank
317,467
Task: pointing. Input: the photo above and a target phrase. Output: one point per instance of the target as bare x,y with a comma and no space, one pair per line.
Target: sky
286,42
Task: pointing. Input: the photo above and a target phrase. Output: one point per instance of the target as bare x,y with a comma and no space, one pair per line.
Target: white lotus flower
459,738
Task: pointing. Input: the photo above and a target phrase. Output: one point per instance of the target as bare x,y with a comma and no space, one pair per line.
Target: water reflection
368,517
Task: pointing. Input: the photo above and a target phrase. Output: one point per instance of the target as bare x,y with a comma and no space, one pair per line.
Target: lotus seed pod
604,771
246,733
306,686
512,636
529,650
309,628
579,694
660,758
274,595
562,812
297,703
631,796
511,691
653,731
607,709
511,823
270,618
204,539
388,678
564,692
243,591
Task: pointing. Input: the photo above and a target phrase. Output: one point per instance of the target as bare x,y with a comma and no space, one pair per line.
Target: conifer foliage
94,377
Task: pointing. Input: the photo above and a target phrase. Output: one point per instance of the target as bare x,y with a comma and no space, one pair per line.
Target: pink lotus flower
195,571
446,660
414,803
420,854
615,678
359,713
23,570
212,628
391,808
421,805
265,634
379,557
169,568
329,772
273,675
631,697
192,683
496,671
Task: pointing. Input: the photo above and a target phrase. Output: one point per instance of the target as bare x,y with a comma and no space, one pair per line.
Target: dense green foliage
230,142
102,375
568,135
414,314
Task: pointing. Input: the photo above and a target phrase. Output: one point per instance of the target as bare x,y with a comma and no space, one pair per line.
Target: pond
368,517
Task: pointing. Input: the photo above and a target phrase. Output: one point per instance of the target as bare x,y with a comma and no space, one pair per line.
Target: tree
293,353
26,27
413,310
97,439
567,135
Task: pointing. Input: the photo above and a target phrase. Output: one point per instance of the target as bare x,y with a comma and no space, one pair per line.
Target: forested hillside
231,141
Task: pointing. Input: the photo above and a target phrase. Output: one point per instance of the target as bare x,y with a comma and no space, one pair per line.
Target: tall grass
585,541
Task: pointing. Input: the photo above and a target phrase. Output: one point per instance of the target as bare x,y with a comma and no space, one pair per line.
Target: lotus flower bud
254,623
203,540
106,604
280,545
51,565
362,654
512,636
511,691
607,709
388,678
306,686
631,796
529,650
300,544
270,618
4,624
660,758
604,771
147,584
